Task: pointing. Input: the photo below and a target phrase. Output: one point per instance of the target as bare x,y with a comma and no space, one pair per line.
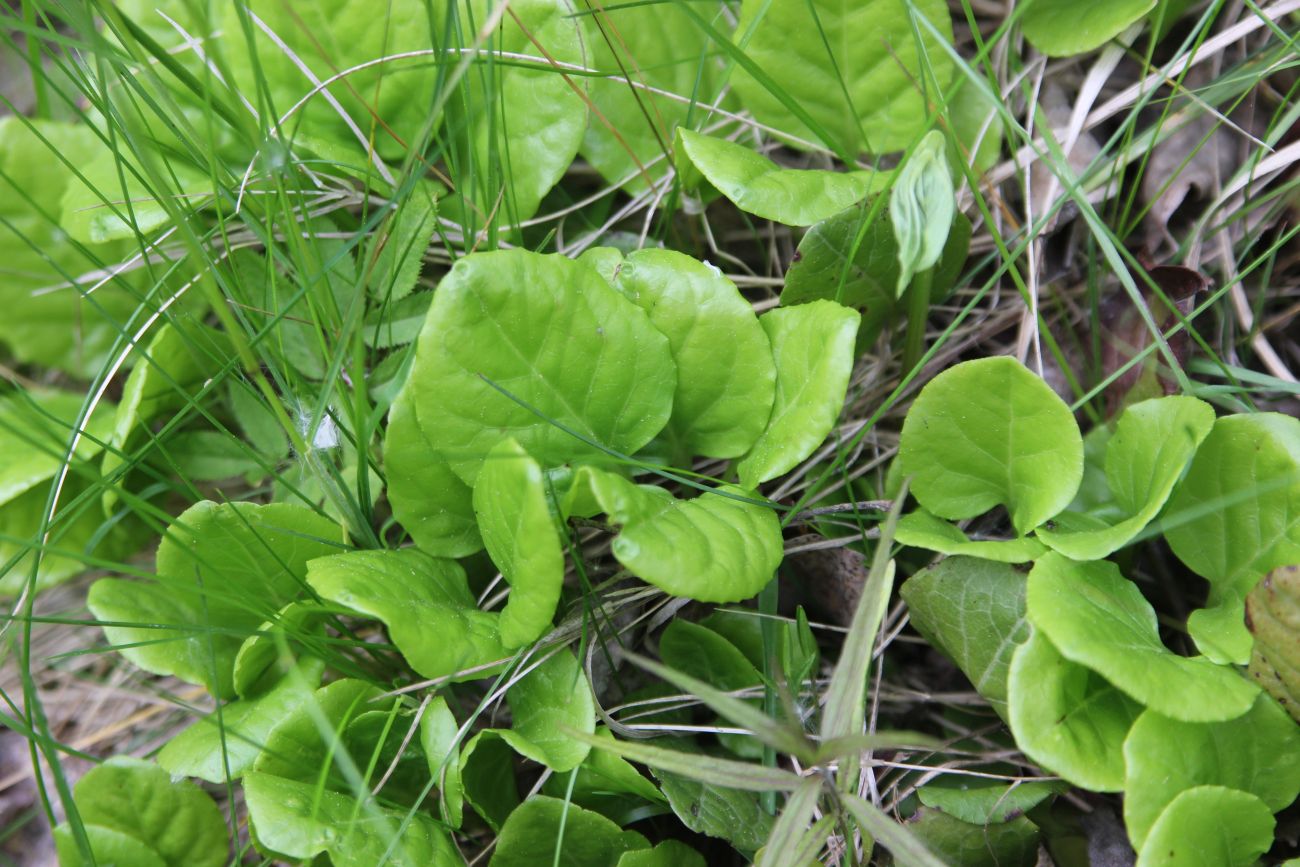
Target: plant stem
918,314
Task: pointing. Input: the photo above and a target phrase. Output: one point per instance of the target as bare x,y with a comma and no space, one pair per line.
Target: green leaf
327,38
987,433
1006,844
1271,615
1067,718
488,777
266,655
543,826
920,529
494,327
829,266
259,424
208,455
657,45
705,655
304,745
299,820
977,131
1097,618
922,205
550,704
423,601
855,66
896,838
706,808
438,730
1152,444
813,345
1209,826
1235,517
224,745
605,781
395,255
669,853
1257,753
974,612
758,186
62,328
523,120
431,501
222,570
514,517
725,375
110,847
177,820
984,802
1059,28
398,323
117,198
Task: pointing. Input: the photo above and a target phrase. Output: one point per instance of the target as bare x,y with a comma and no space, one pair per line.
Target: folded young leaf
543,829
920,529
438,728
177,820
1257,753
726,379
1209,826
813,346
758,186
519,530
425,603
540,348
987,433
1153,442
1233,518
1067,718
860,68
1097,618
974,611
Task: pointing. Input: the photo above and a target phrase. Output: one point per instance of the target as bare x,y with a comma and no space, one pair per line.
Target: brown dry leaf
1045,187
1193,157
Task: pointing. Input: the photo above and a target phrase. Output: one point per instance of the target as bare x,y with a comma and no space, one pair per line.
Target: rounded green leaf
1151,446
525,345
1067,718
547,705
425,603
510,502
524,119
920,529
1258,753
984,802
813,346
1209,826
701,653
669,853
431,501
109,847
177,820
855,66
540,827
1059,28
1097,618
300,820
303,743
725,375
758,186
1235,517
1013,843
223,569
987,433
719,547
658,45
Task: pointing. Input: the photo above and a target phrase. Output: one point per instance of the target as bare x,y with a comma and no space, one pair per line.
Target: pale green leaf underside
758,186
987,433
1059,28
1209,826
1097,618
510,328
813,346
424,601
1067,718
726,379
974,611
514,517
862,74
920,529
1152,444
1257,753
